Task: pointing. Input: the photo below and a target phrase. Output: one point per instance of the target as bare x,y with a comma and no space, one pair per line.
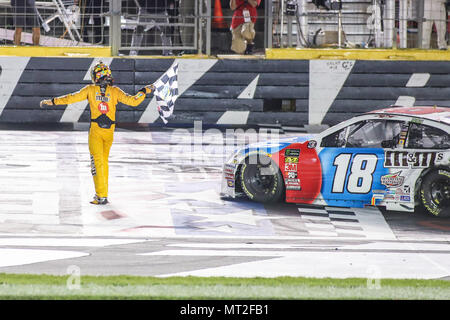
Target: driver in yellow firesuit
103,98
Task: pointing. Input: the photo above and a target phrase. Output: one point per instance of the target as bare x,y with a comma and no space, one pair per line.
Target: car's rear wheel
435,193
261,180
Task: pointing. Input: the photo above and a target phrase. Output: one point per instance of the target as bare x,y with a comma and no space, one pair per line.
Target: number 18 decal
360,178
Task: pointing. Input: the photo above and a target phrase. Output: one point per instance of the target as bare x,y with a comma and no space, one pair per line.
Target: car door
353,161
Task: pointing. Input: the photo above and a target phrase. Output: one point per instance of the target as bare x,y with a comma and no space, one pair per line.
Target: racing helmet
101,73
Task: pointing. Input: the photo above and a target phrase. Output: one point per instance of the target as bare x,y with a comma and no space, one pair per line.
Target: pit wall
288,92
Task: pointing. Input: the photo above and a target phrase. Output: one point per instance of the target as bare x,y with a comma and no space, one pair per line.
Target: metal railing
146,29
360,23
132,27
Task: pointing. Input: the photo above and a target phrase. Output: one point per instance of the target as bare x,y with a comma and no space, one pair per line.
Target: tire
261,180
435,193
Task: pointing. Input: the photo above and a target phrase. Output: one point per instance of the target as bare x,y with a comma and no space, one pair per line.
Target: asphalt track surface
166,217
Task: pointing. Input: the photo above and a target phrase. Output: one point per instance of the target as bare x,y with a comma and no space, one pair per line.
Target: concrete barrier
227,91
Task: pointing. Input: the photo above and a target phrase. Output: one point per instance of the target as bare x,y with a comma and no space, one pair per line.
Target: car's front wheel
435,193
261,180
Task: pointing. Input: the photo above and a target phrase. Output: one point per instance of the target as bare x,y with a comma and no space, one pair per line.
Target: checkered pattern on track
326,221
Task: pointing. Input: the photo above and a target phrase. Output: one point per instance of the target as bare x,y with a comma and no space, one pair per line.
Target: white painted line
373,223
326,79
339,209
418,80
431,258
403,246
223,228
17,257
405,101
30,218
313,210
321,226
74,111
234,117
345,265
312,218
246,245
323,233
349,231
342,222
151,113
65,242
12,70
249,91
341,216
216,253
165,235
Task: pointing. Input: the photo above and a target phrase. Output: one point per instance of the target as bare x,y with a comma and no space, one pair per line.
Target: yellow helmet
101,72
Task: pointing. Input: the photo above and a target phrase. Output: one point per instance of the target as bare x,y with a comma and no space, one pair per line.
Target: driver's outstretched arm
68,98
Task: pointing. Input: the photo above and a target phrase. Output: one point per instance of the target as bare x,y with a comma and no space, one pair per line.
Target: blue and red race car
397,157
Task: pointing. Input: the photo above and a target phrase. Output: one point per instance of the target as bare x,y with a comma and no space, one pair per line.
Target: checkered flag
166,91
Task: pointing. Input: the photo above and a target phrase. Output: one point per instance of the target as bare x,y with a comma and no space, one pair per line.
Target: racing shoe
100,201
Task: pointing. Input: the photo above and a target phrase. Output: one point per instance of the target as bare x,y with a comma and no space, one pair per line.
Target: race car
397,157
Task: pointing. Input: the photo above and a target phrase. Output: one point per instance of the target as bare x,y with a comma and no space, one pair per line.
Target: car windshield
335,140
374,134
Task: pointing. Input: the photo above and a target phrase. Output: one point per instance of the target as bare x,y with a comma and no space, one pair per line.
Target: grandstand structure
280,24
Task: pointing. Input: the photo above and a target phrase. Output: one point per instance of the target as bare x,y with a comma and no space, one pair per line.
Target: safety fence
175,27
227,91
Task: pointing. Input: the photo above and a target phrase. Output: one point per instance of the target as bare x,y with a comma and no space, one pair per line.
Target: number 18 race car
397,157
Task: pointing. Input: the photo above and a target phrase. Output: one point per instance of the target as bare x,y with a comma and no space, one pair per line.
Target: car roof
441,114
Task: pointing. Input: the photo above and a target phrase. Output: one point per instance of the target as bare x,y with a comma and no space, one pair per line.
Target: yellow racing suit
101,131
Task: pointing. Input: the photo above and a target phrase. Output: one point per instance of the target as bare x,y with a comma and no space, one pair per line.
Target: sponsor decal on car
293,184
230,183
312,144
376,197
229,176
292,175
292,152
402,191
405,159
405,198
290,167
229,169
389,197
392,179
291,160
